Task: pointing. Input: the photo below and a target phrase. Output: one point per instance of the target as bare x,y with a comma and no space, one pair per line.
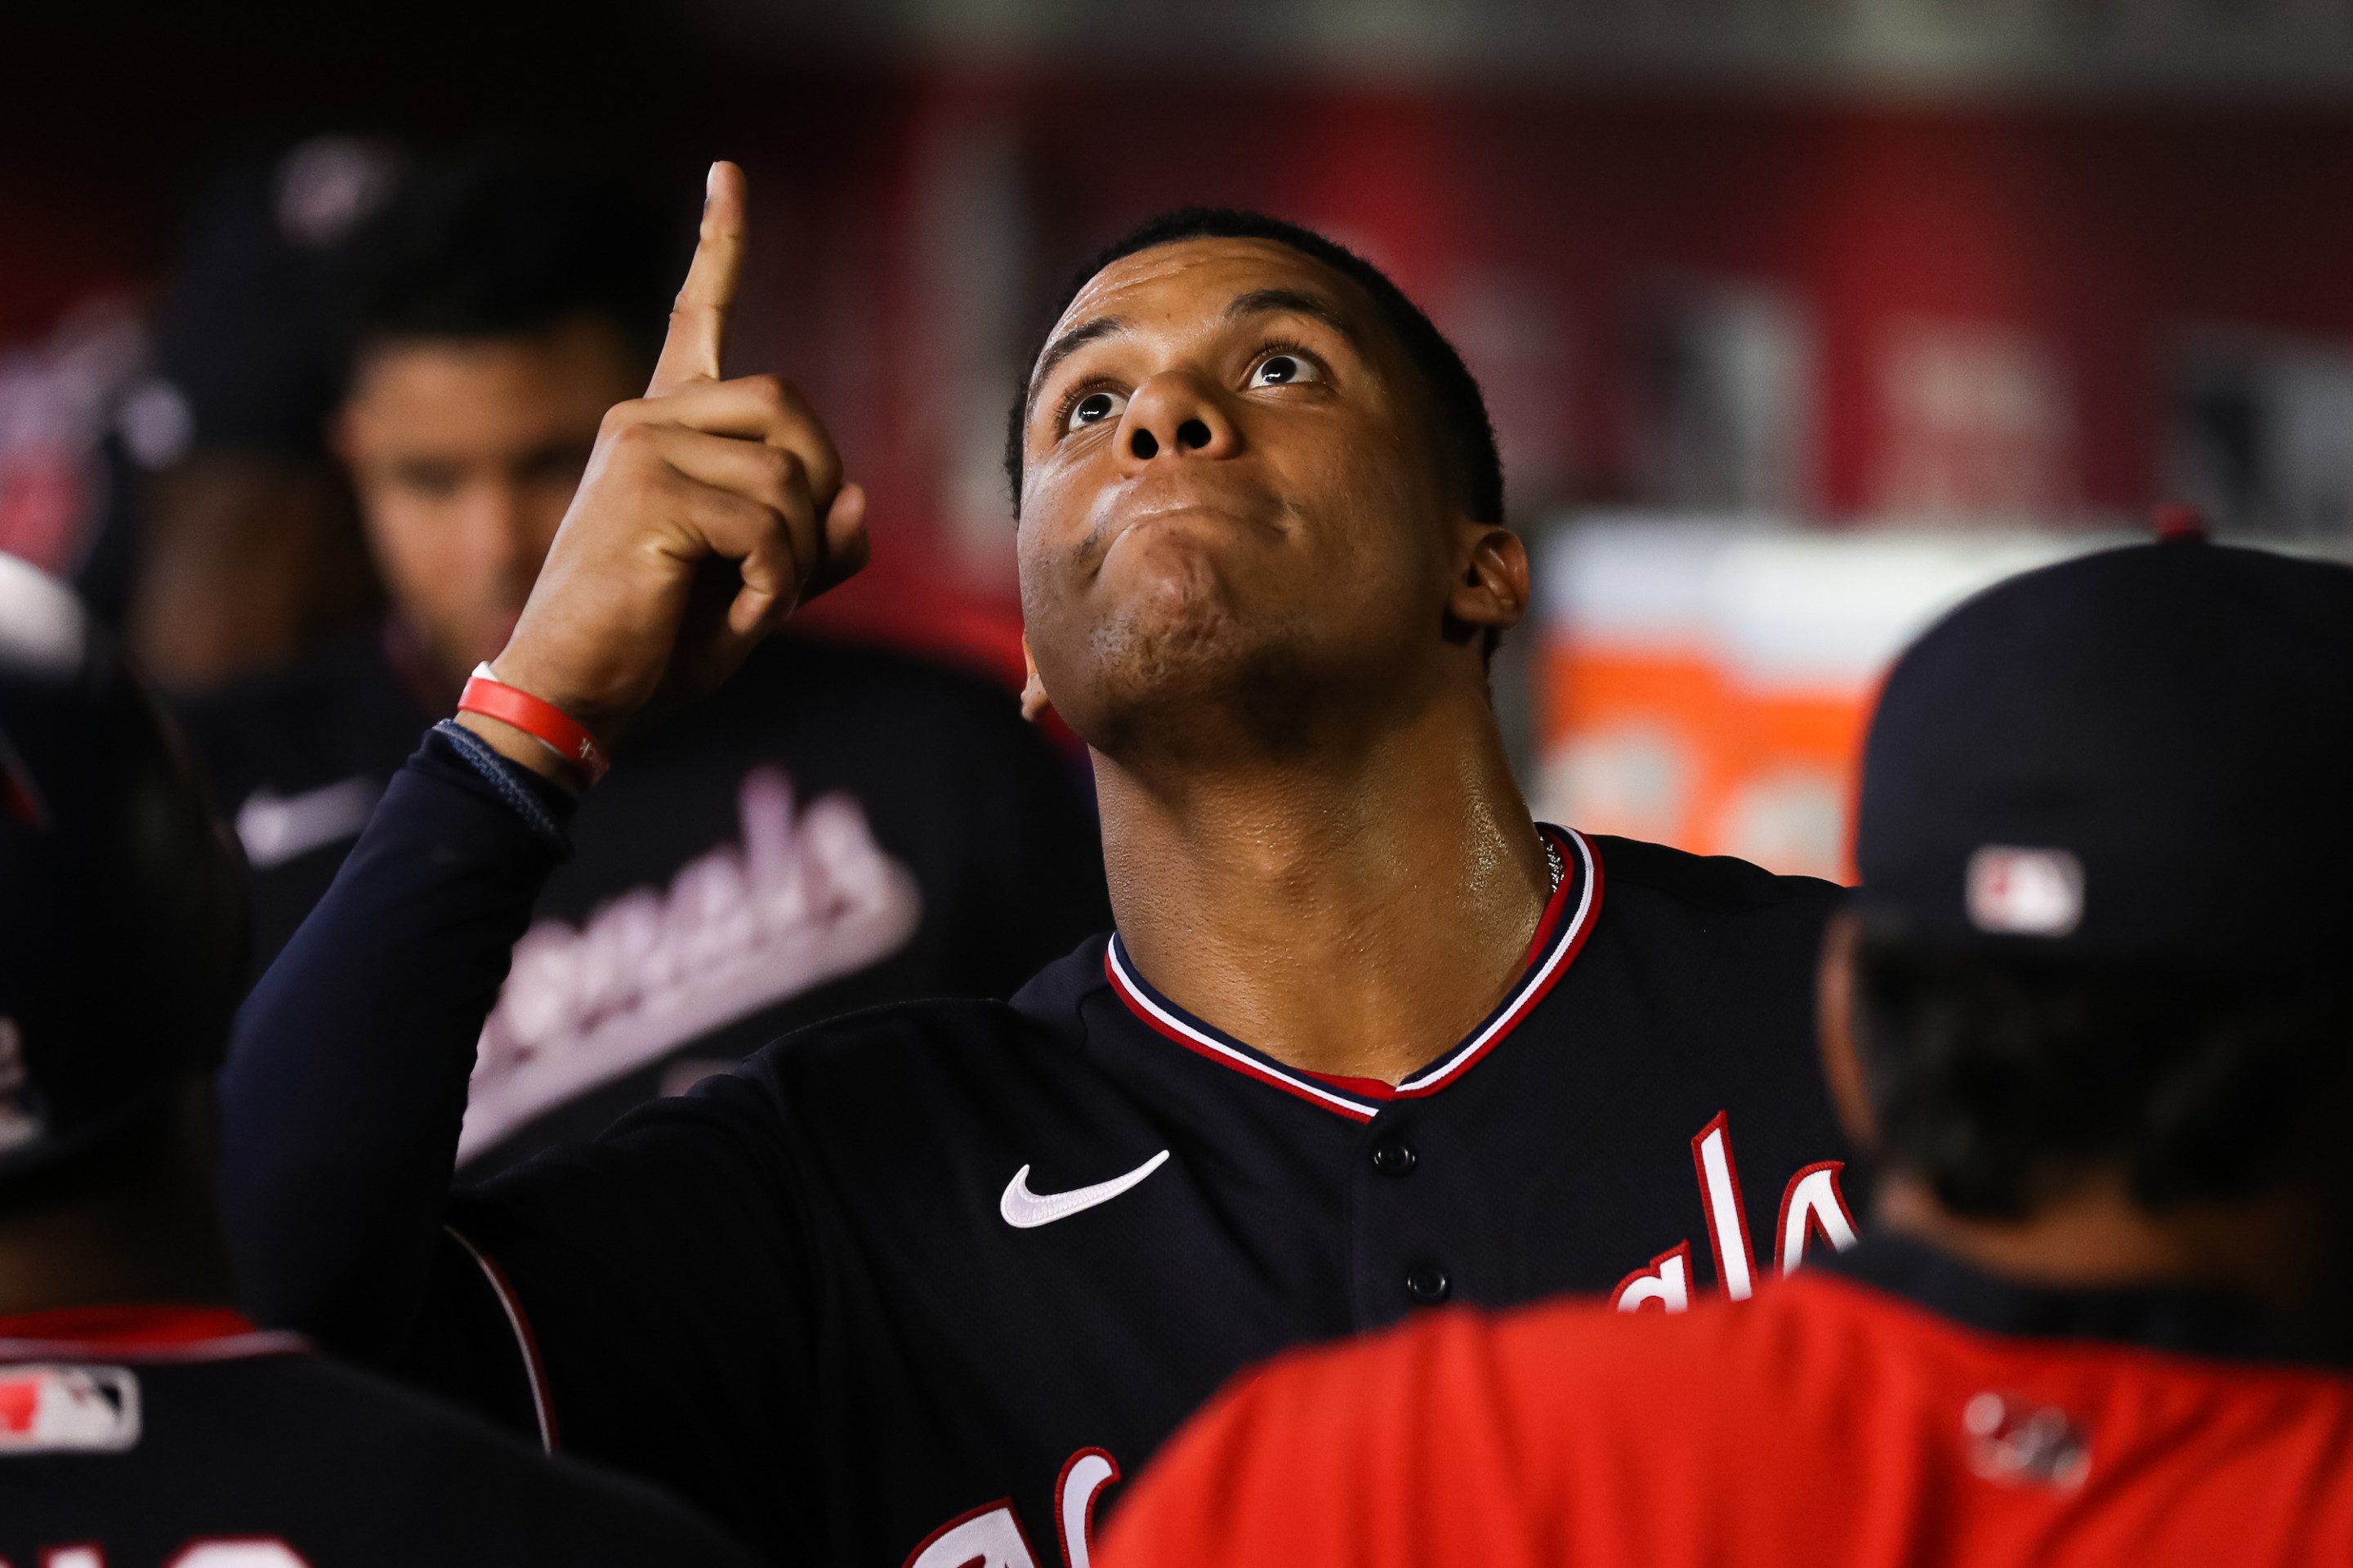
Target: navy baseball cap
2144,754
122,908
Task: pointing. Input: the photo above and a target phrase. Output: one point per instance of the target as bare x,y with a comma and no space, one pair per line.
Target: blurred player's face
465,453
1233,510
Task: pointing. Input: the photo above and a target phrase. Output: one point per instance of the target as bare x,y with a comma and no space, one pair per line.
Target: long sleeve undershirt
345,1084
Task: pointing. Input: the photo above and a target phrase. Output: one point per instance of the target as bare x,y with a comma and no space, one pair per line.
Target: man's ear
1491,587
1034,700
1834,1028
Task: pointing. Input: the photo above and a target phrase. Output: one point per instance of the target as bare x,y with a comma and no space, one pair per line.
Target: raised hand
708,510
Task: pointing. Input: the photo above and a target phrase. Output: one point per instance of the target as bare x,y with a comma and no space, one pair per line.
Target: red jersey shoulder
1824,1422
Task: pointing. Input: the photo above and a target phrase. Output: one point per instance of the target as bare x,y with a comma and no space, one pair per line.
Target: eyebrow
1257,303
1062,348
1291,302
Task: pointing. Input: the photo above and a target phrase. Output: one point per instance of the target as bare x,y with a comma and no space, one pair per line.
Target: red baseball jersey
1893,1407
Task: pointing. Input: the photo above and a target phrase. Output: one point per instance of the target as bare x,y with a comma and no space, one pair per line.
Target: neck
141,1230
106,1252
2094,1236
1352,911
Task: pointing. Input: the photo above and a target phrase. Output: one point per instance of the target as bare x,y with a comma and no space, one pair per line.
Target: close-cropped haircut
2001,1080
1466,440
506,243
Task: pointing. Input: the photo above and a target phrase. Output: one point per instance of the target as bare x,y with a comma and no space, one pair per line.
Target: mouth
1186,516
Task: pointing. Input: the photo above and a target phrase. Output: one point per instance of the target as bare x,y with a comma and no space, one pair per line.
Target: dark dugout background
1572,188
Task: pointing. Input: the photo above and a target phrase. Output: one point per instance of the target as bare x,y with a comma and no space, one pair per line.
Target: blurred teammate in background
840,826
244,549
142,1421
2093,1009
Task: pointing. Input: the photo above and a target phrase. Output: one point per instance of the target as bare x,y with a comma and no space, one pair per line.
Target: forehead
1192,282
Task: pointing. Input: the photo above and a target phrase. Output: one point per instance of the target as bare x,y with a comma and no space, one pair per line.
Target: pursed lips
1106,536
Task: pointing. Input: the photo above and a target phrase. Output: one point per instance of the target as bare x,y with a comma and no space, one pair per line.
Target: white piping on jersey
1136,994
533,1373
1563,943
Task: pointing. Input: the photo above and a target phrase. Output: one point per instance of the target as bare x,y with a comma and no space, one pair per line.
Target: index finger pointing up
698,322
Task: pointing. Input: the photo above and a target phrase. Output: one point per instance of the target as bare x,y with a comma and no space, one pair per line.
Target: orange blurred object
1709,685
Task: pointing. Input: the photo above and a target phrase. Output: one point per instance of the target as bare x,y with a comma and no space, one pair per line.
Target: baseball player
928,842
143,1421
2093,1010
917,1286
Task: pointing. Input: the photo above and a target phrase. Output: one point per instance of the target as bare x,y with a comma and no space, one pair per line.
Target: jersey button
1393,1158
1428,1284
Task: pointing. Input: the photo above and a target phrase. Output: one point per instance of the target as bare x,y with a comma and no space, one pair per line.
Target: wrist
524,750
516,668
527,728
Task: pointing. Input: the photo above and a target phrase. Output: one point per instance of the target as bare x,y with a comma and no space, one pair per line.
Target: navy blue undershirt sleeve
346,1081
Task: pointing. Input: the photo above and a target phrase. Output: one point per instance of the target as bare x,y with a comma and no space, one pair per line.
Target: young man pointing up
917,1286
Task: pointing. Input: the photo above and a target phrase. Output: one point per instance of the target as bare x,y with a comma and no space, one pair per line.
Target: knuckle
635,442
624,414
781,487
757,517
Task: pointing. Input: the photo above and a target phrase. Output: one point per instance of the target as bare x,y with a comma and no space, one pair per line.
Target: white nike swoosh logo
1025,1210
275,828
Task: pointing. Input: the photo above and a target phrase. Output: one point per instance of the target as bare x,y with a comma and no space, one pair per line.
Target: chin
1174,675
1186,632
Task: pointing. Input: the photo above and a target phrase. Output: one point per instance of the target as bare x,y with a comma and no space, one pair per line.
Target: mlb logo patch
68,1409
2025,892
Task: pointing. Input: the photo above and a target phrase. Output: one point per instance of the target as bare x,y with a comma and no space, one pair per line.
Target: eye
1285,370
1094,409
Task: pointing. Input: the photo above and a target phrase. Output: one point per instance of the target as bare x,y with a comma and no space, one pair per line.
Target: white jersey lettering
1728,1217
1666,1284
1812,1203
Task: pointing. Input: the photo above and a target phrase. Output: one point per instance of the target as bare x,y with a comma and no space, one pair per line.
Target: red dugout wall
1543,227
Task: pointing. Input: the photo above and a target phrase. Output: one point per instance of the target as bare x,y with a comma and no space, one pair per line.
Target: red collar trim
1567,921
161,1332
1367,1088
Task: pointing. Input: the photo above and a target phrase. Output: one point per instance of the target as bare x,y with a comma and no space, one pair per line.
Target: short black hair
506,242
1466,436
1999,1078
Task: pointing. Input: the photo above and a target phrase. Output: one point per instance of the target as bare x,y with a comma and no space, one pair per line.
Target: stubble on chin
1201,687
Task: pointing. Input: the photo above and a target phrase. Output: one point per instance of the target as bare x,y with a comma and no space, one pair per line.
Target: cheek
436,551
1052,525
548,500
411,539
1373,524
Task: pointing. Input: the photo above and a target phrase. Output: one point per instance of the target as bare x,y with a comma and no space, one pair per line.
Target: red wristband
543,721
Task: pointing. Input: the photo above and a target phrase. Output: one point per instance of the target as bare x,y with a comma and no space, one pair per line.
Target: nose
495,518
1173,415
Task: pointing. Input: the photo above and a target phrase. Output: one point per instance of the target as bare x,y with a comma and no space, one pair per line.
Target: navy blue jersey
837,827
915,1285
178,1438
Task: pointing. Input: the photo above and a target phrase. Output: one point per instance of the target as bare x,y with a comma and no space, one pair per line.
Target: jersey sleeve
346,1078
632,1299
1394,1452
664,1292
